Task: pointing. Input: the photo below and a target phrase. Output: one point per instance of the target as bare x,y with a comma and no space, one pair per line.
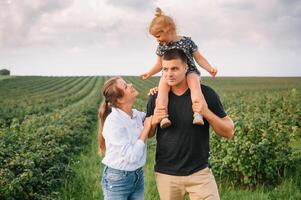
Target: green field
3,77
48,138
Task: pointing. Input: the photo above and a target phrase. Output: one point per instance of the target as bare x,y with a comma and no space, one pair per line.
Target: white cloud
114,34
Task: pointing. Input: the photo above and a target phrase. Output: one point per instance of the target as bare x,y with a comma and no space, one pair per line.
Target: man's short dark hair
175,54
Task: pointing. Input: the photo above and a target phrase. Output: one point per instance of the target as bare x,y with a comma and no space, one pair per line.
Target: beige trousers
200,186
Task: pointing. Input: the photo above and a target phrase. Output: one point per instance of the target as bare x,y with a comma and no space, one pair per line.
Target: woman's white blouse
124,149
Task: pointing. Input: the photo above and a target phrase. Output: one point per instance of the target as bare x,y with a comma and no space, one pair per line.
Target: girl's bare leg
162,101
194,85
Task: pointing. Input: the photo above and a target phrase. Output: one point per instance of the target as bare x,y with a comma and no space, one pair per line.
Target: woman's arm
146,130
118,136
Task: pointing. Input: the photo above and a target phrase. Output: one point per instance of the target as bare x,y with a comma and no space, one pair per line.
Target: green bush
35,154
4,72
260,152
38,144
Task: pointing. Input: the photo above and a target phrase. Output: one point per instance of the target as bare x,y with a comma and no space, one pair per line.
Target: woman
122,140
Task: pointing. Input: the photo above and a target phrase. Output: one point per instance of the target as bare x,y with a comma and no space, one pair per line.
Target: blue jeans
122,185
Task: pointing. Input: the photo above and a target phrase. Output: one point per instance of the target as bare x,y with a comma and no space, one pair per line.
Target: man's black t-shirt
183,148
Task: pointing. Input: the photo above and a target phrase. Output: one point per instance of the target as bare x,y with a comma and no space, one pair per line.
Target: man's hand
200,107
152,91
159,114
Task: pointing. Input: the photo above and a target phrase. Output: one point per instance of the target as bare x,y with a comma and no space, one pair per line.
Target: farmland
48,131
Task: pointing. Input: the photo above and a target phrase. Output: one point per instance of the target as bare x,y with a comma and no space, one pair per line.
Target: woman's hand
152,91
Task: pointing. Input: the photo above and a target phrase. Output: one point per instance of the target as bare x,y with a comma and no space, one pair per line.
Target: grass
87,167
3,77
84,183
288,190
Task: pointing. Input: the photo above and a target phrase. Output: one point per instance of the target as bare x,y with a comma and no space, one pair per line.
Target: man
183,149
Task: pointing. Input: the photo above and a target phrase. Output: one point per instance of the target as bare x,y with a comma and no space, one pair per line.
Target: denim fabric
122,185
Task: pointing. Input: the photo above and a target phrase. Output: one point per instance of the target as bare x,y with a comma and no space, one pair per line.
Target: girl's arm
155,69
202,62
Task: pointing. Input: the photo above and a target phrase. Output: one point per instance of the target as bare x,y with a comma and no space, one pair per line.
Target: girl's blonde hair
161,24
111,93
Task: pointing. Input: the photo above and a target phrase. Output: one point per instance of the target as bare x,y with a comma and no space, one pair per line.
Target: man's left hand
200,107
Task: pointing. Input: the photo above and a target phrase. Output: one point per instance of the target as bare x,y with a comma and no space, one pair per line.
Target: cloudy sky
110,37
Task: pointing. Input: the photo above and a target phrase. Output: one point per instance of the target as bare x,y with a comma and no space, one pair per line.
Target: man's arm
222,126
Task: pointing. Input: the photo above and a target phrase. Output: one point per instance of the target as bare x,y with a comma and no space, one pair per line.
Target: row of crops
267,130
44,121
267,116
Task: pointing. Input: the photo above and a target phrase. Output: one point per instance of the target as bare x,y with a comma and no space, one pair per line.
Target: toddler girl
163,29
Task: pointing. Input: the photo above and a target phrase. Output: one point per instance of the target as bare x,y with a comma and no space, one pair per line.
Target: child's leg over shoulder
163,90
194,84
162,101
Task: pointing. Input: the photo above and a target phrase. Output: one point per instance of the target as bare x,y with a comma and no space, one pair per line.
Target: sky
110,37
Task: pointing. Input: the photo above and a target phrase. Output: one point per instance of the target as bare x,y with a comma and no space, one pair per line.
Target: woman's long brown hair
111,93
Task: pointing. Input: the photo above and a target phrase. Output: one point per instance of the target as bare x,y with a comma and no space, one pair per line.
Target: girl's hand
152,91
145,76
213,72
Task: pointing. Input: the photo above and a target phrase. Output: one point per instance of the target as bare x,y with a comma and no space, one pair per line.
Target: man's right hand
159,114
